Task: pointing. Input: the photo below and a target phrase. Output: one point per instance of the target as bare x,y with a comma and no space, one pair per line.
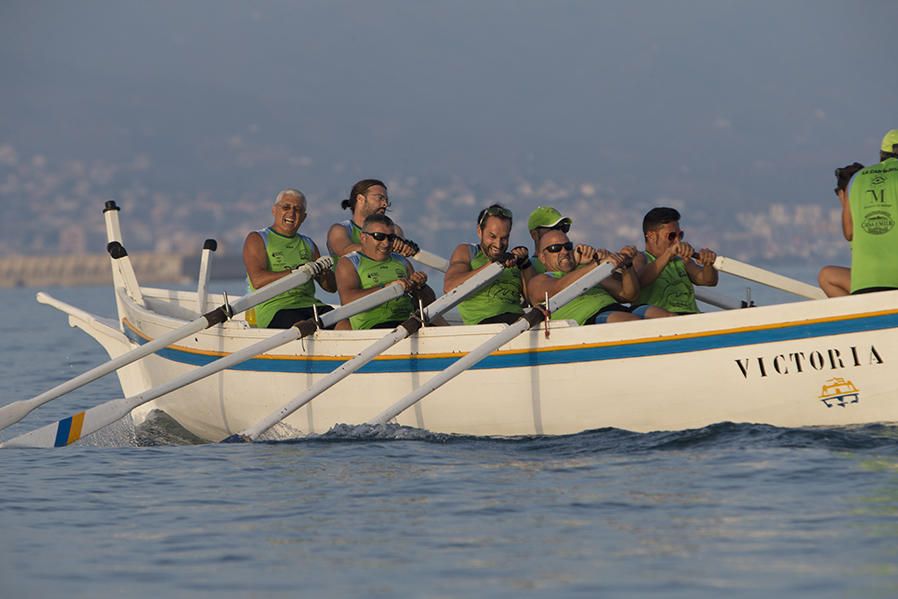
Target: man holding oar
374,267
367,197
501,301
542,220
668,269
869,213
565,264
273,253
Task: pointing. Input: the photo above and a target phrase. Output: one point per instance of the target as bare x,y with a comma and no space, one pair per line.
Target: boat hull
769,365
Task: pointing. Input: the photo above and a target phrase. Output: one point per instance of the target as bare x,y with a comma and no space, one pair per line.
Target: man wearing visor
542,220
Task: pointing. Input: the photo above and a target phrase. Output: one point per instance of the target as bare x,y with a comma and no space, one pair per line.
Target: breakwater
94,269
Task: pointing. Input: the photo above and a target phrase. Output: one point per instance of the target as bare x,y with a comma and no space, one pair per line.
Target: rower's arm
459,269
255,260
339,242
847,223
648,272
539,285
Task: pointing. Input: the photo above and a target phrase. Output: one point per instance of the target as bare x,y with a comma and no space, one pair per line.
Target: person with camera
869,198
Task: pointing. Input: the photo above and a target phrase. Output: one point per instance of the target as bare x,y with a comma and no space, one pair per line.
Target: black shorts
390,324
284,319
873,290
506,318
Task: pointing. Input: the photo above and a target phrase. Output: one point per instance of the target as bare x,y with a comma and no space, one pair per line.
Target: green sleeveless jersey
585,305
285,253
873,199
372,274
502,296
672,290
353,231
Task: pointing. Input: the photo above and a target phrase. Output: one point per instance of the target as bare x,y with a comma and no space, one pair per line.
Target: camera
845,173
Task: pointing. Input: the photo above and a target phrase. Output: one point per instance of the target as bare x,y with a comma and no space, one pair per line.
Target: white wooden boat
820,362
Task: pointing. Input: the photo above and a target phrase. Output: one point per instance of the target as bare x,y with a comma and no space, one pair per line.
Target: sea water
727,510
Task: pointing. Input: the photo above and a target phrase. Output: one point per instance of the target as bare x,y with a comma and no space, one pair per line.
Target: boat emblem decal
839,392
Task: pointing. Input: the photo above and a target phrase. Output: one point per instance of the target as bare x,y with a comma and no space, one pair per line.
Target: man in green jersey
501,300
374,267
566,263
272,253
542,220
868,221
367,197
667,269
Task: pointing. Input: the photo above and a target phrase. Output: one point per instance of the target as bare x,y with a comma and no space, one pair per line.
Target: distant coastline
94,269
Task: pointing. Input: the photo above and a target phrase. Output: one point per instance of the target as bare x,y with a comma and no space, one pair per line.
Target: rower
502,300
274,252
541,221
374,266
367,197
565,264
669,267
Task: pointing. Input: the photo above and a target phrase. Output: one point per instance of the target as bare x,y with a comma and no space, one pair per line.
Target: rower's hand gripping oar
525,322
406,329
69,430
13,412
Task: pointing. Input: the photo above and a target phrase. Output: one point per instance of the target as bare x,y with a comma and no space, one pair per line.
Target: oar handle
403,331
527,320
432,260
295,279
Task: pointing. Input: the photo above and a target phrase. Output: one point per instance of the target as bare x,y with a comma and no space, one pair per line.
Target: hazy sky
716,98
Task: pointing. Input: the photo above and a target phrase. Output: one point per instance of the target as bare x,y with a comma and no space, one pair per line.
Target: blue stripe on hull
586,353
62,432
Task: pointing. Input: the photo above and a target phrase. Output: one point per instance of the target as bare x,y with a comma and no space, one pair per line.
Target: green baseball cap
546,216
889,141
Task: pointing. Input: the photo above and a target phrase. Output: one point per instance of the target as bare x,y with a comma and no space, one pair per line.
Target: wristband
525,264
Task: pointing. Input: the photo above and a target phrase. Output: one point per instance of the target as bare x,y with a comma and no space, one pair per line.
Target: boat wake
159,429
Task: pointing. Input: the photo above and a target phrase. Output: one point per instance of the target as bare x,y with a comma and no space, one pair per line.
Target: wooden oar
765,277
15,411
406,329
530,318
68,430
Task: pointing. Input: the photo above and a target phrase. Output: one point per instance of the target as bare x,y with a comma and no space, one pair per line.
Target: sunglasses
378,236
557,247
563,227
673,235
494,211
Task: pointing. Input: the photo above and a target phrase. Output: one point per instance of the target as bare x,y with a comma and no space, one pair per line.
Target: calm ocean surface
732,509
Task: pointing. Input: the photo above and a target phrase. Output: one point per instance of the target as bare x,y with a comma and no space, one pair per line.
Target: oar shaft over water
526,321
71,429
765,277
15,411
409,327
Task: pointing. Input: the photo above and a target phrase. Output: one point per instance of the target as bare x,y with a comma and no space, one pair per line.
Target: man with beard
273,253
374,267
367,197
501,301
